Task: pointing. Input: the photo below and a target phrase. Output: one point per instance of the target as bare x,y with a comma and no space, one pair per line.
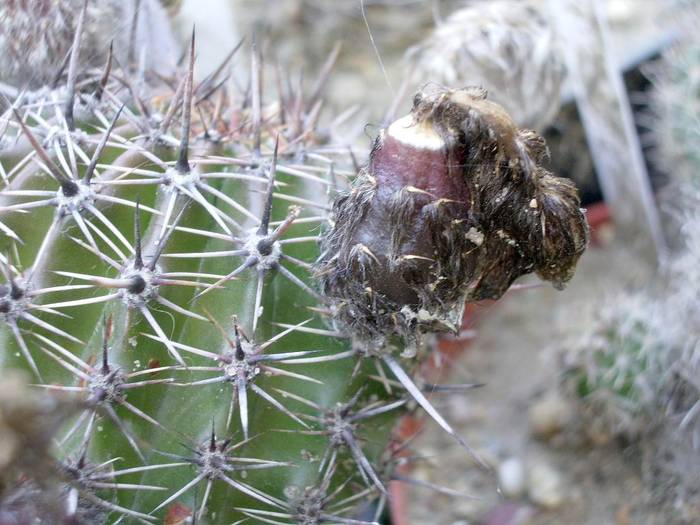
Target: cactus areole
230,345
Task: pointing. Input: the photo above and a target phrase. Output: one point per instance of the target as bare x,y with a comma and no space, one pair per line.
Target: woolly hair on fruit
453,205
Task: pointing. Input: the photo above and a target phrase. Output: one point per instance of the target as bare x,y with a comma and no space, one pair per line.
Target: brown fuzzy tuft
453,206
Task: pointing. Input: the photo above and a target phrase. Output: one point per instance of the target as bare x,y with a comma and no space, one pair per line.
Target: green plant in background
162,275
673,456
614,370
36,42
632,372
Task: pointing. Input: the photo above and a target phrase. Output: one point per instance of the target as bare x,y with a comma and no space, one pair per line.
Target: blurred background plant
510,47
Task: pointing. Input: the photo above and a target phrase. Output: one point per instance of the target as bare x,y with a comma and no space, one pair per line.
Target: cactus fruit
168,279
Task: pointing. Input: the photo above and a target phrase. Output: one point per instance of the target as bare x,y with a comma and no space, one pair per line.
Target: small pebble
511,477
469,509
466,412
510,514
545,486
549,415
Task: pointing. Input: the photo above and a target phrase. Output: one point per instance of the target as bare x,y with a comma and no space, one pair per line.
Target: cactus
632,374
614,369
36,39
675,105
169,281
509,47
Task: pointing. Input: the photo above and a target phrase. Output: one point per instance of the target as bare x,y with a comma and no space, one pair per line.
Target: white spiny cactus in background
507,46
36,37
676,104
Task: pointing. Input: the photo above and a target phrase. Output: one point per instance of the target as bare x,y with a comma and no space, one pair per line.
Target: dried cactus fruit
454,205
